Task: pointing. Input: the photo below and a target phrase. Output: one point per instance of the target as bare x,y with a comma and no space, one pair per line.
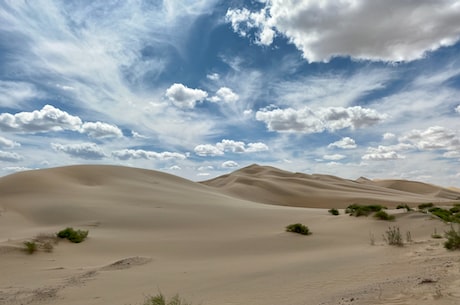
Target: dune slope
151,232
275,186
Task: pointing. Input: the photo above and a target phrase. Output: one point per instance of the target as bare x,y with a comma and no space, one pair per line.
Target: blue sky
200,88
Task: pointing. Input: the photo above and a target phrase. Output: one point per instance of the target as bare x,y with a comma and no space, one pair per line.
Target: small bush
334,212
160,299
454,210
404,206
393,237
75,236
453,239
363,210
425,206
382,215
298,228
444,214
30,247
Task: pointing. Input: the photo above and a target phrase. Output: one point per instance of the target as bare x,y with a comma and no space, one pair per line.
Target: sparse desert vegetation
453,239
404,206
30,247
75,236
363,210
382,215
298,228
393,237
160,299
334,212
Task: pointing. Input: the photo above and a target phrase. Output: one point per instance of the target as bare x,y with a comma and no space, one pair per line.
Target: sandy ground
152,232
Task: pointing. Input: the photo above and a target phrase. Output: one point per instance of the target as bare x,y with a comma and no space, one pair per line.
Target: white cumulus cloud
389,30
184,97
225,145
457,109
226,95
344,143
306,120
88,151
48,118
229,164
126,154
101,130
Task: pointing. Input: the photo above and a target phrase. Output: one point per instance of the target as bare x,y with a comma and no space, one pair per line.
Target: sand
152,232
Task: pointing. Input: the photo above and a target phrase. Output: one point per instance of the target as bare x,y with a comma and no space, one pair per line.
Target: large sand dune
150,232
274,186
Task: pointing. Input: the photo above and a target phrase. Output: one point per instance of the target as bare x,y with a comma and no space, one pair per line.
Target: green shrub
425,206
160,299
453,239
404,206
382,215
454,210
30,247
393,237
363,210
298,228
444,214
334,212
75,236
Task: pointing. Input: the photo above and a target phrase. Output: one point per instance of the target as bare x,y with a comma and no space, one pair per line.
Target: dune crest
274,186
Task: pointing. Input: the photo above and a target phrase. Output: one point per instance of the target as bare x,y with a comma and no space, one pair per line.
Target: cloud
127,154
433,138
375,154
405,32
88,151
101,130
382,153
229,164
48,118
175,168
226,95
457,109
7,143
10,156
220,148
184,97
344,143
213,76
388,136
335,157
13,94
305,120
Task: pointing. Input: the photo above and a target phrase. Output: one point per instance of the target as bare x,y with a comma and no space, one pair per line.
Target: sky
200,88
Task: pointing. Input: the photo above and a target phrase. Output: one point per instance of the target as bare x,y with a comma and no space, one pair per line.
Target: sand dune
150,232
274,186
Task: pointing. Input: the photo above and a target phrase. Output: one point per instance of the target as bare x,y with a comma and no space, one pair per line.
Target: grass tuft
160,299
30,247
393,237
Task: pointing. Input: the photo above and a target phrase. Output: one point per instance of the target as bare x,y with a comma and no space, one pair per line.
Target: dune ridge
274,186
150,231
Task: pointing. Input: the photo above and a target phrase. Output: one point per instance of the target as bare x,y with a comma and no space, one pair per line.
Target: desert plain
222,241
